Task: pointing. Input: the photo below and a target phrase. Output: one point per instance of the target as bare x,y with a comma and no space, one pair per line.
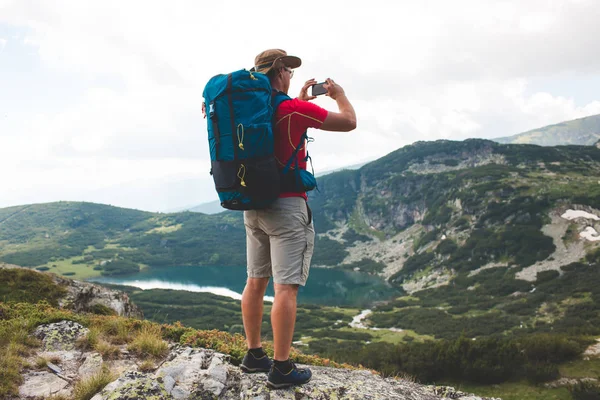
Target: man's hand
304,91
333,89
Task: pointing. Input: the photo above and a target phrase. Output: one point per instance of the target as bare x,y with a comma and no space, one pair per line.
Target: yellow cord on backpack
240,137
252,76
241,174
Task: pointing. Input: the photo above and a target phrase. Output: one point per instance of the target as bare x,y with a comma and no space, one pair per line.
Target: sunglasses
291,71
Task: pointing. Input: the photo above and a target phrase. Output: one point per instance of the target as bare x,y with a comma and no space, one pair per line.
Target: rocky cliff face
84,296
196,373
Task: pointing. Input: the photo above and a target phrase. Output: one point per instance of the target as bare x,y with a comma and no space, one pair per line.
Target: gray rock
42,384
169,383
197,372
91,366
67,361
338,383
60,335
204,374
448,392
134,385
83,296
120,366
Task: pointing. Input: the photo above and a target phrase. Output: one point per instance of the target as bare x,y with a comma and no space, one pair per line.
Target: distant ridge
583,131
214,207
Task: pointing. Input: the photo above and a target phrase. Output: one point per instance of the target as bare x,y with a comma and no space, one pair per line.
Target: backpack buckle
211,109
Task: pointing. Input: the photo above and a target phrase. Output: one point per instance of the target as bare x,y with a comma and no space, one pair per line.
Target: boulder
60,335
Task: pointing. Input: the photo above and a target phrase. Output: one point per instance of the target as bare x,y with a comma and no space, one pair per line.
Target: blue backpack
240,107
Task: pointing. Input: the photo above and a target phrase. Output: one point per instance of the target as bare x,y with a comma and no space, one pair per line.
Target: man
280,239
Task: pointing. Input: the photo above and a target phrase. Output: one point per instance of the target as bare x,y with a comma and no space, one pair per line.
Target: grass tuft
41,362
107,350
147,366
117,330
149,343
89,341
87,388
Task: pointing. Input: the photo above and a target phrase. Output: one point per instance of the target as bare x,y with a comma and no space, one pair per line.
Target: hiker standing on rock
280,238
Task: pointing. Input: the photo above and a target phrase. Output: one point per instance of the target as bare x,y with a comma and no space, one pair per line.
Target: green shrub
585,390
545,276
446,246
425,239
541,372
550,348
328,252
351,236
412,264
101,309
24,285
120,267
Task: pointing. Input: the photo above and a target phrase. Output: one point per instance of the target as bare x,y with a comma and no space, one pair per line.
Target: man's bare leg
283,320
252,310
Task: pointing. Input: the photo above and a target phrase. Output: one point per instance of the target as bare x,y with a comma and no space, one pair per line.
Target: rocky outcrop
197,373
85,297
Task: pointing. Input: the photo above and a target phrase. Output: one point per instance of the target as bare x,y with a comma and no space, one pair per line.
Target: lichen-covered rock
134,385
195,371
332,383
60,335
448,392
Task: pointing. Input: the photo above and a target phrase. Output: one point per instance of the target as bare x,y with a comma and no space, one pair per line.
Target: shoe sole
253,370
284,385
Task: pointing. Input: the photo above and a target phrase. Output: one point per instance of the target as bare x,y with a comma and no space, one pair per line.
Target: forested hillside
489,241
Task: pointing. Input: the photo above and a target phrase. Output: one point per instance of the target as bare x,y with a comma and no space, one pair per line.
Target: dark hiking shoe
296,376
252,364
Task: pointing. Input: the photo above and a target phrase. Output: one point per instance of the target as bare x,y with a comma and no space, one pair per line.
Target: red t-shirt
292,119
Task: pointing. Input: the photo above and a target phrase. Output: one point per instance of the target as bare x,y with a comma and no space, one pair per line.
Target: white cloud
412,74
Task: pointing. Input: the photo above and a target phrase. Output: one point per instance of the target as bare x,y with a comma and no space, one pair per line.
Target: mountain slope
492,241
116,240
476,194
582,131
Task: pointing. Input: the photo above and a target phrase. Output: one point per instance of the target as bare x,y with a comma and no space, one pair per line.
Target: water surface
324,286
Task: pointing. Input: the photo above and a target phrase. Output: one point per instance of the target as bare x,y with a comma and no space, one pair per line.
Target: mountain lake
325,286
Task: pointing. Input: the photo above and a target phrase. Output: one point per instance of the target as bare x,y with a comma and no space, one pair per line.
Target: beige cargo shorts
280,241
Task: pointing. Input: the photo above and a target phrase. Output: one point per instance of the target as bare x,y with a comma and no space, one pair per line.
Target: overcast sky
101,100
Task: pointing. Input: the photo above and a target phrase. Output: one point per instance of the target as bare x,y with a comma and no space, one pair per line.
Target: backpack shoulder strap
277,98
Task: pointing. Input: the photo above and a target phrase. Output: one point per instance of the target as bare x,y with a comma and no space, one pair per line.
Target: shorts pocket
308,253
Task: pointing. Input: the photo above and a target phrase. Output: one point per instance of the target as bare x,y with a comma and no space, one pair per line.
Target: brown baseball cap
274,58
